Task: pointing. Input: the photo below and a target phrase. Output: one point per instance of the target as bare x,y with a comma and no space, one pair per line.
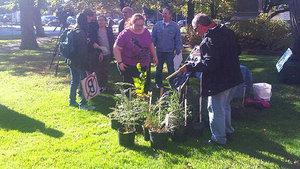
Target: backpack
66,43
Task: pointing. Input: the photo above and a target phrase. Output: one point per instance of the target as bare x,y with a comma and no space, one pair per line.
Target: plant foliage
140,82
263,34
176,111
129,110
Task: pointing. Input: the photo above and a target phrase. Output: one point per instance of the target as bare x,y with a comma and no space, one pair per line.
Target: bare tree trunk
294,6
28,39
191,11
38,22
213,9
124,3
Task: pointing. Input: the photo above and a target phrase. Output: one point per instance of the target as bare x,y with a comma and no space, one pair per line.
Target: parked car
55,23
48,18
5,18
182,23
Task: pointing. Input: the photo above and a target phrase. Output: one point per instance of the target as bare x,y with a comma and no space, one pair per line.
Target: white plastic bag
262,91
177,60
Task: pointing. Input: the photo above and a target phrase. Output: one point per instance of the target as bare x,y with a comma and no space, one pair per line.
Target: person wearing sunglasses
220,66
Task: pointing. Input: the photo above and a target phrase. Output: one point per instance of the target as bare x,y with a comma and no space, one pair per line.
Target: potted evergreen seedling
154,122
129,112
176,118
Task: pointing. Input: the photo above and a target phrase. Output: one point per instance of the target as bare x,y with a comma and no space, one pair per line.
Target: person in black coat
220,65
78,64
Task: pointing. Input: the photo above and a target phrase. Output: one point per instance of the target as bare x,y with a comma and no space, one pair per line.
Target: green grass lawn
39,130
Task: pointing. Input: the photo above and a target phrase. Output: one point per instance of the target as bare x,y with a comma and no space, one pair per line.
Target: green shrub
257,34
263,34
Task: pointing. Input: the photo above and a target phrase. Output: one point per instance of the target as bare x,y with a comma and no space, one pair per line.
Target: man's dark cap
203,19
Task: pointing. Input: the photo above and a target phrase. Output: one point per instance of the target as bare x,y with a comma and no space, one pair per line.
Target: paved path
15,30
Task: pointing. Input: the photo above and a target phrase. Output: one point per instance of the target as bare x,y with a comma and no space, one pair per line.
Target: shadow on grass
259,146
261,133
12,120
170,148
22,62
146,150
10,37
104,102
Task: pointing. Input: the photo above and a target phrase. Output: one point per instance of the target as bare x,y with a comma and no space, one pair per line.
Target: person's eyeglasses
195,28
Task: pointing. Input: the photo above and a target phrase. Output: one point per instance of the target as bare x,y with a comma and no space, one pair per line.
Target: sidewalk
15,30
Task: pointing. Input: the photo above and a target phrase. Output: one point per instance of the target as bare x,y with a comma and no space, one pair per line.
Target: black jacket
219,61
111,38
93,32
81,49
121,25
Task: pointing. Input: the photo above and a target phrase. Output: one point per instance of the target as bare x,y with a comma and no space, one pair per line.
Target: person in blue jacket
167,40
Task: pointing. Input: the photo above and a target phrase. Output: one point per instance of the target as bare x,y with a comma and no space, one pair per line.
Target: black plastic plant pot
158,140
146,134
139,129
126,139
115,124
197,129
179,135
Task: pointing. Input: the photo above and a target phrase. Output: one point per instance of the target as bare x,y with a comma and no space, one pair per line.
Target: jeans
76,76
219,110
163,57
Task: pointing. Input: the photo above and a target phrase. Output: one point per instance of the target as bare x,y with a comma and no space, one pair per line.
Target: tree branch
277,12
